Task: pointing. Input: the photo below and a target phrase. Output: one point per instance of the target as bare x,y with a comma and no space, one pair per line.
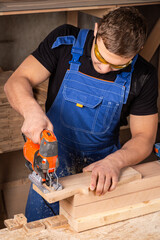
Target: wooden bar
19,7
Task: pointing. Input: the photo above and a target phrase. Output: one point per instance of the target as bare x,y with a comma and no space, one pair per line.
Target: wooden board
108,217
134,199
111,204
79,183
140,228
150,179
18,7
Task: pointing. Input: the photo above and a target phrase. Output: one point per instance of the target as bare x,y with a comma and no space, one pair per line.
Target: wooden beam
30,7
105,218
151,179
136,228
79,183
110,204
98,12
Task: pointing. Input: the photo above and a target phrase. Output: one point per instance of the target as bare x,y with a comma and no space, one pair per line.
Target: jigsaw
42,160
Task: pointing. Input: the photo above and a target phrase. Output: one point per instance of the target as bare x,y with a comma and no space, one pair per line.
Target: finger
50,126
100,184
114,183
107,184
89,168
93,183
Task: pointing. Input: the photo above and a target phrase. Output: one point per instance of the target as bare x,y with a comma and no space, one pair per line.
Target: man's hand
34,124
105,175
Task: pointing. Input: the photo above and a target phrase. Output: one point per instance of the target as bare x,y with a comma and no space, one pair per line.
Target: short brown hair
123,31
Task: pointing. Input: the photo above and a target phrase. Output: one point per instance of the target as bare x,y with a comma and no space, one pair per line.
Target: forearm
133,151
20,95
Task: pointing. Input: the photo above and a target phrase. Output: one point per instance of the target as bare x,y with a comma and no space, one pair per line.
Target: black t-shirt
142,99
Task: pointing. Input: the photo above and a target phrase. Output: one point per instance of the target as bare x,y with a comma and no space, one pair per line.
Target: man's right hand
34,124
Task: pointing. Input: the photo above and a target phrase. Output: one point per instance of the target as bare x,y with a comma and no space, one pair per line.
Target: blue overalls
85,116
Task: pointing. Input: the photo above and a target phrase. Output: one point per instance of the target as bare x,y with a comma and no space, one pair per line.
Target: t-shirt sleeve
145,102
47,56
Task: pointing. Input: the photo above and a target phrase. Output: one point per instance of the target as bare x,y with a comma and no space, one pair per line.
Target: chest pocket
85,112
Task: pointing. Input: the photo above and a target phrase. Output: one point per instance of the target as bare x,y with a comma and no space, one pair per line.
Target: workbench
141,228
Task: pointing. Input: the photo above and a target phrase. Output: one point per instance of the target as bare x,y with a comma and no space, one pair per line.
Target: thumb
49,125
89,168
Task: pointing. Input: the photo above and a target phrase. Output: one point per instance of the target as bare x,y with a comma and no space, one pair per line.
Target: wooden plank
18,7
79,183
33,227
152,42
17,222
12,224
110,204
145,227
20,218
99,12
104,218
150,178
55,221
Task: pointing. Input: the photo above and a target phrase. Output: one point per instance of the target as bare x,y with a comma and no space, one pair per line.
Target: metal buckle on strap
76,54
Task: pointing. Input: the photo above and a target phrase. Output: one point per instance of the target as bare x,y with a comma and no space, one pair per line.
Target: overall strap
77,49
64,40
124,79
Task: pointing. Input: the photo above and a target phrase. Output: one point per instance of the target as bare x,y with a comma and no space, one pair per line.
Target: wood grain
79,183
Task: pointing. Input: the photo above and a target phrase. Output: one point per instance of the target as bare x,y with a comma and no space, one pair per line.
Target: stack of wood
10,121
137,194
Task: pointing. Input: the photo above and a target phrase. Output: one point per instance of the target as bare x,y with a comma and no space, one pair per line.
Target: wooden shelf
11,7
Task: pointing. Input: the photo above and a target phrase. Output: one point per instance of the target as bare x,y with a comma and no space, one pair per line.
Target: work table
141,228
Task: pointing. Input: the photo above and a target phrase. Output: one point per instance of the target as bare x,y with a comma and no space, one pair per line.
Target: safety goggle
102,60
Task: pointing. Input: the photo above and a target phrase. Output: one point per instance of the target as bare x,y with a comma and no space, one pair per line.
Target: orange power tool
43,161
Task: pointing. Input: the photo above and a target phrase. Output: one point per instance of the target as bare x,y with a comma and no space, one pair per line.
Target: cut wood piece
34,227
55,221
151,179
20,218
79,183
55,196
110,204
104,218
149,169
12,224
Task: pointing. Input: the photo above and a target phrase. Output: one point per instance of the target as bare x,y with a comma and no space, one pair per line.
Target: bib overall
85,115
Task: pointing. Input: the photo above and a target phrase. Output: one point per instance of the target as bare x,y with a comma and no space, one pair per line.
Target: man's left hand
105,175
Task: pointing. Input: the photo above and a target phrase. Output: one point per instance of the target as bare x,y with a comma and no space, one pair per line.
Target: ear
95,29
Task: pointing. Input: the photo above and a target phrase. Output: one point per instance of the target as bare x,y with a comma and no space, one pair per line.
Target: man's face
109,57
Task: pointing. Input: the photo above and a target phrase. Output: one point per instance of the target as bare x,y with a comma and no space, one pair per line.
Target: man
96,81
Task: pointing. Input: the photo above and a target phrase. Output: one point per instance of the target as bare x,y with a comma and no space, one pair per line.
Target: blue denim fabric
87,133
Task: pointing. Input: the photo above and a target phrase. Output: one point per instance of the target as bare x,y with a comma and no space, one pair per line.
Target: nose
104,68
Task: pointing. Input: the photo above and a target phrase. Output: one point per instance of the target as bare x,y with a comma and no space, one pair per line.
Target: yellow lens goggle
102,60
